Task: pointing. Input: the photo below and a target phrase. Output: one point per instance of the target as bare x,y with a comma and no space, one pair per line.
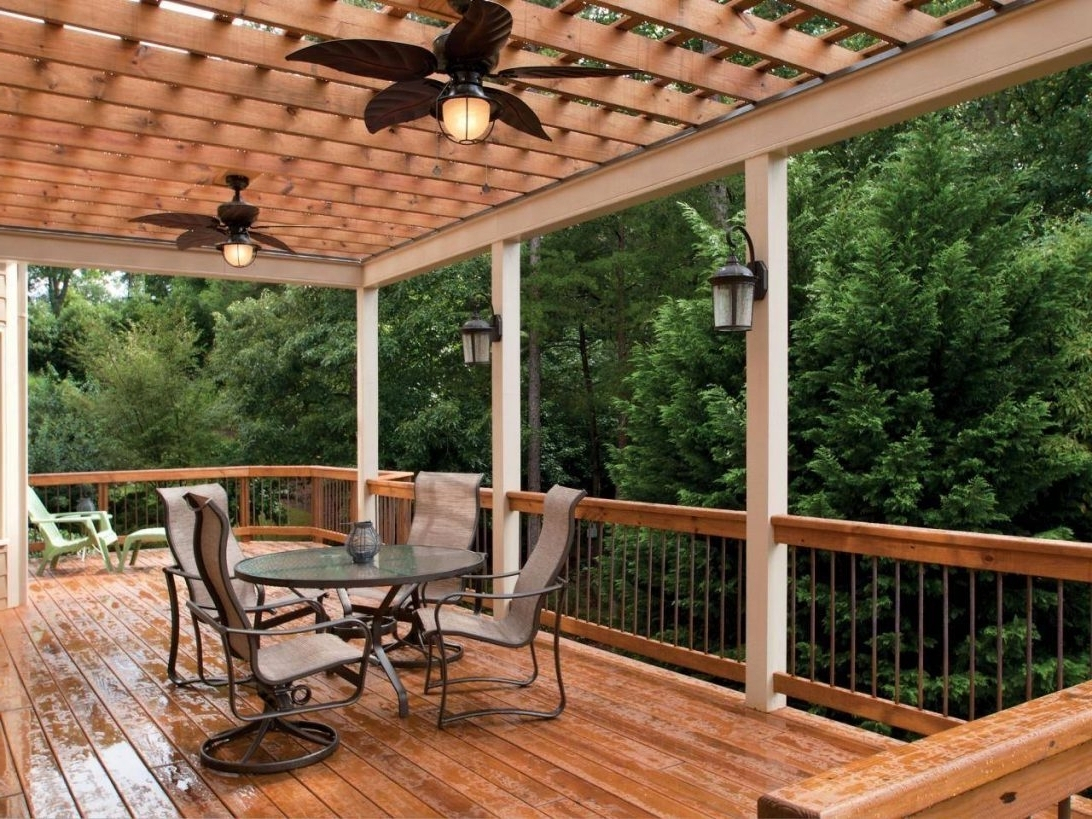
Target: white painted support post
367,398
505,376
13,427
767,433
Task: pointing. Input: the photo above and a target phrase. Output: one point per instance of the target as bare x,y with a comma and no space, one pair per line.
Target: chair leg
445,718
172,652
319,742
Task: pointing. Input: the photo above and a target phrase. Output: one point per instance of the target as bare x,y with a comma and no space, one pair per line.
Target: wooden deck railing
937,627
667,583
1014,763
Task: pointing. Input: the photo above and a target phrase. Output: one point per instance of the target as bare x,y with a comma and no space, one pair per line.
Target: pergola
112,109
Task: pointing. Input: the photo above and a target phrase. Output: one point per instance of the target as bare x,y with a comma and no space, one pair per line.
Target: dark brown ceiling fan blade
556,72
200,237
401,102
518,114
178,220
272,241
479,35
382,59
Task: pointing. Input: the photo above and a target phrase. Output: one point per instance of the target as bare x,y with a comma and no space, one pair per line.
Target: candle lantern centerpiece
363,542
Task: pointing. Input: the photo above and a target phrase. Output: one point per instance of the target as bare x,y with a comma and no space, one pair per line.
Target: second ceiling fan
468,53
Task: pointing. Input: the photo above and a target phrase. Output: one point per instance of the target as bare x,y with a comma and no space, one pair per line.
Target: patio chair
67,532
180,520
539,577
277,663
445,513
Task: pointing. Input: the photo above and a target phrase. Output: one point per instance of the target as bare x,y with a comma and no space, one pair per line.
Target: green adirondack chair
69,532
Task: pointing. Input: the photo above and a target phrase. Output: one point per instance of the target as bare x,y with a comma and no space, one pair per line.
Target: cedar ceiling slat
228,44
118,170
728,28
303,195
57,219
53,187
349,21
117,108
79,130
888,21
81,86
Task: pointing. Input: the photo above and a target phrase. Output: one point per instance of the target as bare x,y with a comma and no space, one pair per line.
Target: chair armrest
456,597
261,607
178,571
480,597
492,576
83,523
100,519
214,623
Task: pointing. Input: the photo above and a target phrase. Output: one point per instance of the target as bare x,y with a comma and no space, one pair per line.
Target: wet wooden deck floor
92,727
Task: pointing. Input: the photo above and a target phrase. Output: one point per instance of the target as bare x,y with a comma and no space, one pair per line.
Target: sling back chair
67,532
539,577
445,513
180,519
277,660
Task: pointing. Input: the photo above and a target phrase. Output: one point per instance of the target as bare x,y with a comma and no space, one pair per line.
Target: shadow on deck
92,727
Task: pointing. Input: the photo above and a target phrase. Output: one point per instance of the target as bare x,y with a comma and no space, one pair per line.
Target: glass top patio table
395,566
332,568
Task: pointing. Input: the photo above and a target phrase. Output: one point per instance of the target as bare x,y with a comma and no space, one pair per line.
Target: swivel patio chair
67,532
180,520
445,513
539,577
277,663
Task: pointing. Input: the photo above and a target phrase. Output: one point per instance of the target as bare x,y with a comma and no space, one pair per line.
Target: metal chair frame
276,672
536,581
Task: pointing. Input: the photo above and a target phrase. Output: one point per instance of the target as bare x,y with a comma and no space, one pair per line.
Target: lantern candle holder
363,542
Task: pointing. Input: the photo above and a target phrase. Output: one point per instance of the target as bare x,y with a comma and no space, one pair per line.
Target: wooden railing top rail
204,473
1039,557
686,519
400,487
1012,763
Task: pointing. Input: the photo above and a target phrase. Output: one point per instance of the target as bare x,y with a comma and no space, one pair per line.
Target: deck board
92,727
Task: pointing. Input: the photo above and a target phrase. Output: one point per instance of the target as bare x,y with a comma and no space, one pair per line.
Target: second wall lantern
736,287
478,336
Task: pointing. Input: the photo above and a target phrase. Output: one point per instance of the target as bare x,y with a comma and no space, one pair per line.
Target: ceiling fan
230,230
468,53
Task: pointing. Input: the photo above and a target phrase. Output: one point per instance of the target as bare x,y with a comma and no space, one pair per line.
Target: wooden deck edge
1012,763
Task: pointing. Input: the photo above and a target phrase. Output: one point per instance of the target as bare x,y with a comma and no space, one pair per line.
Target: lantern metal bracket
755,265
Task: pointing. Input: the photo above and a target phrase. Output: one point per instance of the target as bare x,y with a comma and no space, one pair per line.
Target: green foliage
912,398
60,437
434,410
285,364
146,394
687,427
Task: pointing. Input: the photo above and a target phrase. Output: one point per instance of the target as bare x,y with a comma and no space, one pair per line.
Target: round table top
331,567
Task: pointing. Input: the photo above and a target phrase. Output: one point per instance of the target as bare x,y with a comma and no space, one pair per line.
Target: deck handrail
1013,763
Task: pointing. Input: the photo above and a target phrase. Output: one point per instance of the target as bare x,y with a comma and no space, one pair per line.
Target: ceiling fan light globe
466,114
239,251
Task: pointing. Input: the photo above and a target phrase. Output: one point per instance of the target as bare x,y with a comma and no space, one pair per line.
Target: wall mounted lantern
465,111
736,287
239,250
478,335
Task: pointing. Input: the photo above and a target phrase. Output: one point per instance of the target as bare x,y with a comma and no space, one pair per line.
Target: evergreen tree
921,396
